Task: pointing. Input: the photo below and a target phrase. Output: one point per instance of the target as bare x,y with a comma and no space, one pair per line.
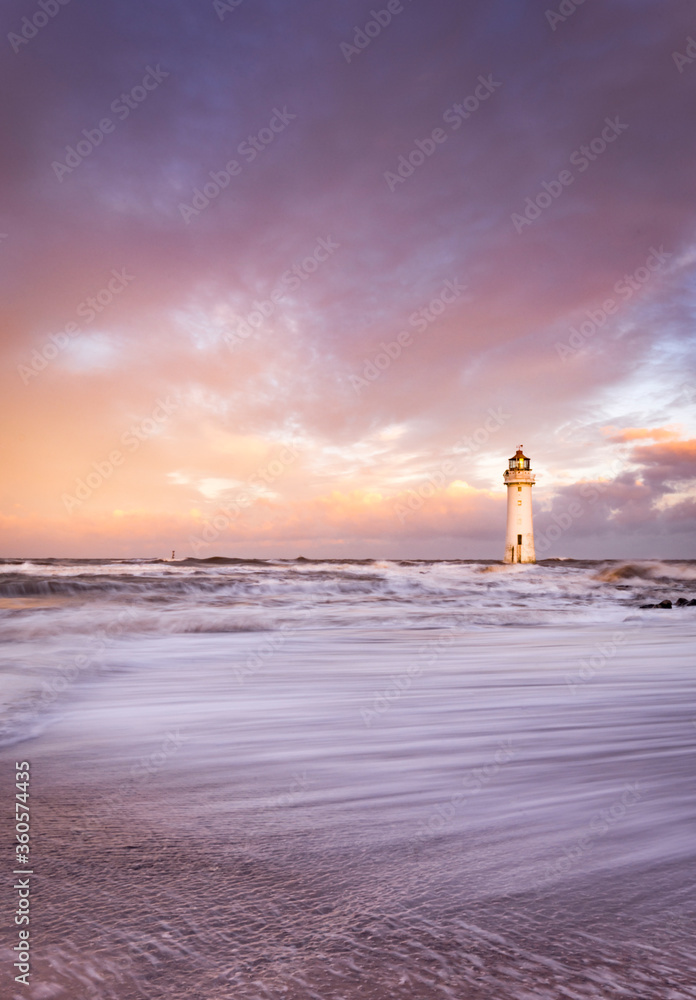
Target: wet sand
197,837
132,911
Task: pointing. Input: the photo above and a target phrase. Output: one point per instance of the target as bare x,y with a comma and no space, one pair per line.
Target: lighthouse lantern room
519,537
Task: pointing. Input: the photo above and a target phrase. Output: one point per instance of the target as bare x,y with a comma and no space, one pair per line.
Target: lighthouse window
519,503
519,489
519,539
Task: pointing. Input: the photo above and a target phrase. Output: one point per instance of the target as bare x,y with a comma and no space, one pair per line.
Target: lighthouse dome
519,460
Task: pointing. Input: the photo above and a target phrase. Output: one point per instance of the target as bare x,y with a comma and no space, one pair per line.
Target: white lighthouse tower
519,537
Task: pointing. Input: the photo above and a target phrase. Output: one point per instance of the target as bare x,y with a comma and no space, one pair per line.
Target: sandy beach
368,813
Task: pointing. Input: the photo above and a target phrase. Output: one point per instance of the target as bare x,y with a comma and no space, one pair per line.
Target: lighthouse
519,537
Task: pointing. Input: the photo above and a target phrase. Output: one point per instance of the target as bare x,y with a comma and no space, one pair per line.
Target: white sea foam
450,778
86,597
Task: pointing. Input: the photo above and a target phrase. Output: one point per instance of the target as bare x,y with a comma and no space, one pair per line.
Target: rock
682,602
692,604
664,604
647,605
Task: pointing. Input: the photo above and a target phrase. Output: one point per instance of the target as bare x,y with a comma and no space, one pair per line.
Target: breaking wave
659,572
44,597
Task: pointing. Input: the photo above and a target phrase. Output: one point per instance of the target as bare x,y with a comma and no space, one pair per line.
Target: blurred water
396,790
52,597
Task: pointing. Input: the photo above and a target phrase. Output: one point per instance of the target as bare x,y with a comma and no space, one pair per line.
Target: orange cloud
676,457
266,526
641,433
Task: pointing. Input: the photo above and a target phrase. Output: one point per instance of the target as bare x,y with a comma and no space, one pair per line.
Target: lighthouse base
521,550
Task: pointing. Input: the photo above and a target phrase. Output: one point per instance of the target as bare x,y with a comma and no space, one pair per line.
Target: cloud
641,433
665,465
323,177
651,492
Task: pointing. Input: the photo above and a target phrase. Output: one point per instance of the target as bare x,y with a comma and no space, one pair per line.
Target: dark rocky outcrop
681,602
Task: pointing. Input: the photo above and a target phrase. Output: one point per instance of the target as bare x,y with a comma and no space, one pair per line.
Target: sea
350,779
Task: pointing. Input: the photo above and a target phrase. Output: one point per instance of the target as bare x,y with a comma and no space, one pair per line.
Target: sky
286,279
